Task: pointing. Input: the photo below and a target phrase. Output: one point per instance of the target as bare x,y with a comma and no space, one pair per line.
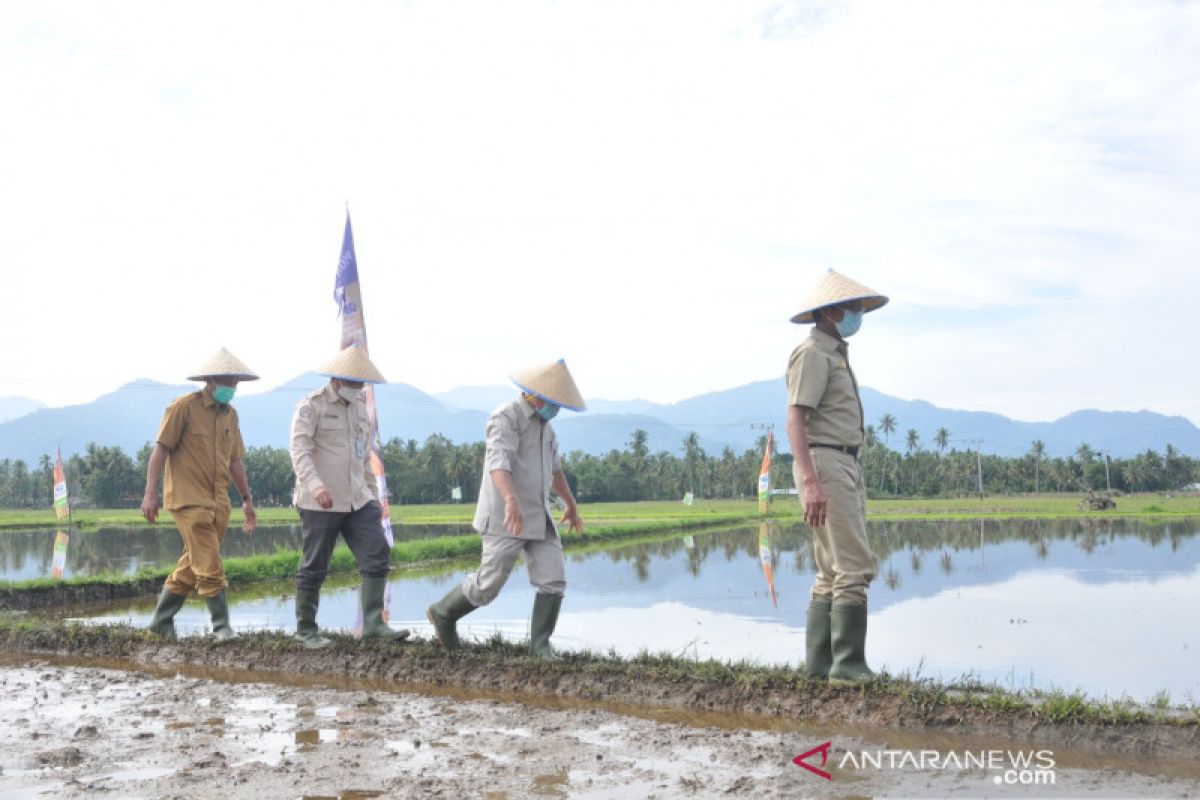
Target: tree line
429,471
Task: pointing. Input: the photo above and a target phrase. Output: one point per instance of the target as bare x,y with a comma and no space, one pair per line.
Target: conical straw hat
553,383
352,364
223,364
836,288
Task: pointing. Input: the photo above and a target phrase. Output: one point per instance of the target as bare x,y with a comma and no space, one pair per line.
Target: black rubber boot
541,626
848,631
307,602
818,647
371,597
163,622
443,615
219,610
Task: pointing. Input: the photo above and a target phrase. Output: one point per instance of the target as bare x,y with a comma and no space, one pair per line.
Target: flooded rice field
115,550
1111,609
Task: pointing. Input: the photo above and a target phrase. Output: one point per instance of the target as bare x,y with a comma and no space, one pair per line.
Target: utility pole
1107,482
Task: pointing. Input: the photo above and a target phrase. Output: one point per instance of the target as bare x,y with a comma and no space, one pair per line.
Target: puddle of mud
270,717
430,745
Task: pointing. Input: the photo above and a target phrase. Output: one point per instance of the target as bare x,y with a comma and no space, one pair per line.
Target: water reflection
119,550
1111,608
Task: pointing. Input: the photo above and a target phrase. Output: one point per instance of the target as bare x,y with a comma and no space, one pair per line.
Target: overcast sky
645,188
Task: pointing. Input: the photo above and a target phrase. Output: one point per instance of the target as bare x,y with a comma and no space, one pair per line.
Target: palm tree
1172,455
870,436
912,444
639,449
1038,451
887,424
693,456
942,440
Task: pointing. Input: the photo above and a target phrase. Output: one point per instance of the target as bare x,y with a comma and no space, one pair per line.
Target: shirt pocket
841,385
333,432
224,444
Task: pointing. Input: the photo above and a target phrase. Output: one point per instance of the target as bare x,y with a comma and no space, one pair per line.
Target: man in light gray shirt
513,515
336,493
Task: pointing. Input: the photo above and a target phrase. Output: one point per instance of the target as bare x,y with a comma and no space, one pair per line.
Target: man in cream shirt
336,493
825,429
513,515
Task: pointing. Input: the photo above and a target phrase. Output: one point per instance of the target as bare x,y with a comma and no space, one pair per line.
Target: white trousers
543,561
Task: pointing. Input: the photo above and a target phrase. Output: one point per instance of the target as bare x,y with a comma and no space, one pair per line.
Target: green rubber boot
443,615
818,655
541,626
163,622
307,601
219,610
848,631
371,597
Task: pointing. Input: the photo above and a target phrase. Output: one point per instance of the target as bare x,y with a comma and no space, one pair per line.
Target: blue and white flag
347,292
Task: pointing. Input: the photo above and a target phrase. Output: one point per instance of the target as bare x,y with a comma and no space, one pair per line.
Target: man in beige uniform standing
336,493
520,466
200,444
825,429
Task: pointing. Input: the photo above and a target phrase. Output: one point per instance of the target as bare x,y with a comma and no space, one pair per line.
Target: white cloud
645,188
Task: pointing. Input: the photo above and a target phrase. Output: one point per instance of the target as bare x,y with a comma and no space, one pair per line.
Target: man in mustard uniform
200,444
825,429
337,494
520,465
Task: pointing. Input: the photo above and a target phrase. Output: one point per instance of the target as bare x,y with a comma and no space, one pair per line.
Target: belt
842,448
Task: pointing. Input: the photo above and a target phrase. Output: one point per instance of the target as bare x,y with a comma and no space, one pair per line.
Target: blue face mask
850,323
223,394
548,411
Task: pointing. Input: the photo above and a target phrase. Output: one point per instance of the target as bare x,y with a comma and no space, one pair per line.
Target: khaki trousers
543,561
200,566
845,564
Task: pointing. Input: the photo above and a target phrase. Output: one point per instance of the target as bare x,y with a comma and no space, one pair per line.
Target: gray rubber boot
371,597
443,615
848,631
307,602
818,647
541,626
219,610
163,622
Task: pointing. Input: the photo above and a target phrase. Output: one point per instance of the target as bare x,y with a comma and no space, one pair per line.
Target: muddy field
114,711
765,697
76,731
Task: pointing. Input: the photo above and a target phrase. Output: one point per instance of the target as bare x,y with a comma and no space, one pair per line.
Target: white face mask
348,394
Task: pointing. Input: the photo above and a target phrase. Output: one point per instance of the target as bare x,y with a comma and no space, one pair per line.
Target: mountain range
129,417
13,407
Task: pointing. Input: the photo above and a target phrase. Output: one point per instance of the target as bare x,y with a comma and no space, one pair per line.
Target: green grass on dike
1044,506
1051,506
922,700
430,514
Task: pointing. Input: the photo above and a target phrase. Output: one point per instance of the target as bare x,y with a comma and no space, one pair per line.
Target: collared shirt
819,378
202,438
523,444
331,449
